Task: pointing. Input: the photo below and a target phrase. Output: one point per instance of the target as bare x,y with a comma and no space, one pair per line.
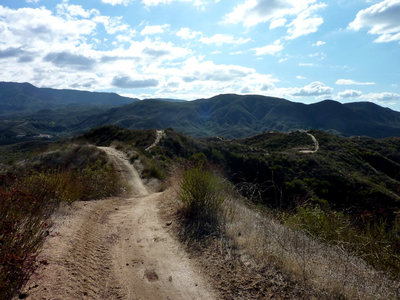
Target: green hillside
234,116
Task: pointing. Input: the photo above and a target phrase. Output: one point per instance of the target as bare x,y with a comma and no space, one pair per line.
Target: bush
202,195
22,228
27,201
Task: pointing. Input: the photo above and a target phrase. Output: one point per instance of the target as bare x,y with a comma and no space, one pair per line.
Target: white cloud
197,3
302,13
319,43
385,98
271,49
382,19
155,29
301,77
220,39
186,33
276,23
70,11
305,23
315,88
217,39
352,82
307,65
349,94
117,2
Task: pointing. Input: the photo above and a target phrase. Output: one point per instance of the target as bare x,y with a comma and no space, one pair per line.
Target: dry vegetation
30,194
258,239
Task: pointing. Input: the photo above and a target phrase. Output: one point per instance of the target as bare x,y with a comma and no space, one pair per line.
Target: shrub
27,201
202,194
21,231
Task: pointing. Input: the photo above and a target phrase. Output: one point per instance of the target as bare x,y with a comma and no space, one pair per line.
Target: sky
302,50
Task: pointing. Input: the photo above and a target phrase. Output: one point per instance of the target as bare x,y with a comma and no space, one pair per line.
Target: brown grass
330,270
255,237
27,201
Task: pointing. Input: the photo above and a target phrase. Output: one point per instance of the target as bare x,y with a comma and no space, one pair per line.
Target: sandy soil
116,248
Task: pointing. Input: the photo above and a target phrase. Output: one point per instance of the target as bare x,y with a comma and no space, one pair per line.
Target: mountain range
24,98
227,115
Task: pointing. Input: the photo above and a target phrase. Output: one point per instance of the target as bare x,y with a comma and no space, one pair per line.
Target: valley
232,197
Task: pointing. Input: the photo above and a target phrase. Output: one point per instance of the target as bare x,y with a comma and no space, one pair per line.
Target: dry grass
27,201
330,270
258,239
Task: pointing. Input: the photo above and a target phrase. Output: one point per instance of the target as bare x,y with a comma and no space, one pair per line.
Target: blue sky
303,51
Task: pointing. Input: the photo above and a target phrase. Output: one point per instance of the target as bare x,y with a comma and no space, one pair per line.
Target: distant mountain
166,99
228,115
24,98
235,116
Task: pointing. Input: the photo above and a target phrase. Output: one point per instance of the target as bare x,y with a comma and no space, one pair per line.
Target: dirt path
116,248
316,145
159,135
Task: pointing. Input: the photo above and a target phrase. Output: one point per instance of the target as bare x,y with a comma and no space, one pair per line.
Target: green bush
202,194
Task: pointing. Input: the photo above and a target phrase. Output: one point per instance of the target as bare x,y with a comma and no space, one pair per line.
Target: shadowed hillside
239,116
23,98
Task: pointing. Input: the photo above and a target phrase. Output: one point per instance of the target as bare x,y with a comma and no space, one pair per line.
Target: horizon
188,100
304,51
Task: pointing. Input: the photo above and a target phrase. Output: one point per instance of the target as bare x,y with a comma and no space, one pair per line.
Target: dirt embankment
116,248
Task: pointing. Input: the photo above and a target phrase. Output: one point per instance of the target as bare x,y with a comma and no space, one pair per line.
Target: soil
116,248
232,275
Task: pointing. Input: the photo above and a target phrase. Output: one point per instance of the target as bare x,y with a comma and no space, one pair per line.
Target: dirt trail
116,248
159,135
316,145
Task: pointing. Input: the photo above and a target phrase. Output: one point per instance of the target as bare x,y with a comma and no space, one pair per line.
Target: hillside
229,115
24,98
297,210
234,116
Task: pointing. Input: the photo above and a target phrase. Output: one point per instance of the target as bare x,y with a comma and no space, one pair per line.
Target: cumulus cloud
11,52
209,71
220,39
383,98
117,2
382,19
66,59
302,14
186,33
352,82
197,3
216,39
315,88
305,23
350,94
319,43
155,29
271,49
126,82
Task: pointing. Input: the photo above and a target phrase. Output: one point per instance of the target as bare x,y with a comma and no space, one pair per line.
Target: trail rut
116,248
